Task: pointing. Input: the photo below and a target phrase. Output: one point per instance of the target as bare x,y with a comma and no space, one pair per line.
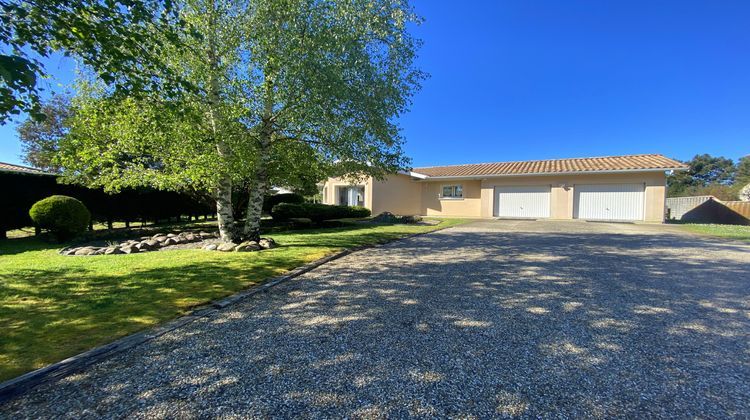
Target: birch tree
284,87
334,75
193,140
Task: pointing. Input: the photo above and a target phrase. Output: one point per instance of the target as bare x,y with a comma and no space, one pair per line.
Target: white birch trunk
223,192
259,184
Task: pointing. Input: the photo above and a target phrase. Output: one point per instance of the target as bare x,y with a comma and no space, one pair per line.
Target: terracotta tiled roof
587,165
18,168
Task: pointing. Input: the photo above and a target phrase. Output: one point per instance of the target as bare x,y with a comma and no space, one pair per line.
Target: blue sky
517,80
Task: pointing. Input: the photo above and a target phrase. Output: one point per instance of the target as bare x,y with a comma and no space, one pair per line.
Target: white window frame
349,188
454,188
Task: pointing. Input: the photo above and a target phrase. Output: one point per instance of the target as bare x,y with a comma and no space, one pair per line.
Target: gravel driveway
488,319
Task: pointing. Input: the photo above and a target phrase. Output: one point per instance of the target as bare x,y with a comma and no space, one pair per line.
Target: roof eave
413,174
18,171
555,173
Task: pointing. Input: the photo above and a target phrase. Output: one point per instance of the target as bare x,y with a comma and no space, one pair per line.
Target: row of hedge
316,212
20,191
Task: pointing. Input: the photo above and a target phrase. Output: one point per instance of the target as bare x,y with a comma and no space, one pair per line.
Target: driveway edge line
20,384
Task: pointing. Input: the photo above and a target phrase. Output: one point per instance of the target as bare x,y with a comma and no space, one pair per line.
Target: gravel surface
490,319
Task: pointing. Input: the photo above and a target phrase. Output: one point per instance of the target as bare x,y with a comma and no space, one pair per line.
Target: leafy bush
316,212
273,200
388,217
64,216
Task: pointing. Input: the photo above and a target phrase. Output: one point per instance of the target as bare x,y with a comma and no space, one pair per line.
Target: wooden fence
741,207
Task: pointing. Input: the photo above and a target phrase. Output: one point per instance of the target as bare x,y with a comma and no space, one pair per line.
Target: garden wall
708,209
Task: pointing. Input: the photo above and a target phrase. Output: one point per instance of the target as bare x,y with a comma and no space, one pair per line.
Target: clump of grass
738,232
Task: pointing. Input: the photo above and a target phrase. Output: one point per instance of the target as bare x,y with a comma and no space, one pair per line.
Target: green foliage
388,217
743,171
40,138
287,92
120,39
64,216
134,142
705,171
720,191
317,212
273,200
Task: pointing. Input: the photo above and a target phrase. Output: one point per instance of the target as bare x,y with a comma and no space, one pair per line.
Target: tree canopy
285,91
743,171
108,36
708,175
40,138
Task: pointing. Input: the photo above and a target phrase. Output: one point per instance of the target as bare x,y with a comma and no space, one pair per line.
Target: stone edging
61,369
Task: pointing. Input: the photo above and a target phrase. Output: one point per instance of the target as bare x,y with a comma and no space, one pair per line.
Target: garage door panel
522,201
609,202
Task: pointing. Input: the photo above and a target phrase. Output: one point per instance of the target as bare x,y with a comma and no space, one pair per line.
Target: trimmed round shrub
317,212
272,200
64,216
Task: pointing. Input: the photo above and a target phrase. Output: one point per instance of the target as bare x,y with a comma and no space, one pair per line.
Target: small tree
40,138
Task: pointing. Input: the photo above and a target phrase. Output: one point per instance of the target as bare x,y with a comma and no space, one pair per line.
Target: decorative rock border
247,246
161,240
144,244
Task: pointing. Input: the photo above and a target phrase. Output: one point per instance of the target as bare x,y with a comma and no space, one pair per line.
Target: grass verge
53,307
737,232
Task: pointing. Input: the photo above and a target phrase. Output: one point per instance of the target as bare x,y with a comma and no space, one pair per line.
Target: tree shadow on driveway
456,323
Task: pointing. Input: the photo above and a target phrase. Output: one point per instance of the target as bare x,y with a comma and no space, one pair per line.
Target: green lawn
723,231
52,307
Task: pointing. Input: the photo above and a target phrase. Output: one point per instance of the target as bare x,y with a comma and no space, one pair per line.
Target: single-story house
617,188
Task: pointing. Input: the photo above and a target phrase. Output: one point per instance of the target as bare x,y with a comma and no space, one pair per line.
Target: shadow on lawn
82,309
458,324
18,245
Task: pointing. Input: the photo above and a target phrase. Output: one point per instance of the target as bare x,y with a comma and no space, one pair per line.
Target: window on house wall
453,191
351,196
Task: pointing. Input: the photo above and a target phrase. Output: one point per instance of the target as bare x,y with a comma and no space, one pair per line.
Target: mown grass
52,306
737,232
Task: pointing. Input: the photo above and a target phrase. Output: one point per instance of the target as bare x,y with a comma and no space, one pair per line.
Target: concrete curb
18,385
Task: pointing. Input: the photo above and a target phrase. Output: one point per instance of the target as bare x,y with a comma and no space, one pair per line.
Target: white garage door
527,201
609,202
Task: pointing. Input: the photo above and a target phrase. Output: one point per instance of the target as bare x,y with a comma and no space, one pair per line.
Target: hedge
271,201
241,195
20,191
316,212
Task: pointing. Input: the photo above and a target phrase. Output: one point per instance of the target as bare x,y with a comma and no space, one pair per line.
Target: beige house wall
398,194
401,194
433,204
